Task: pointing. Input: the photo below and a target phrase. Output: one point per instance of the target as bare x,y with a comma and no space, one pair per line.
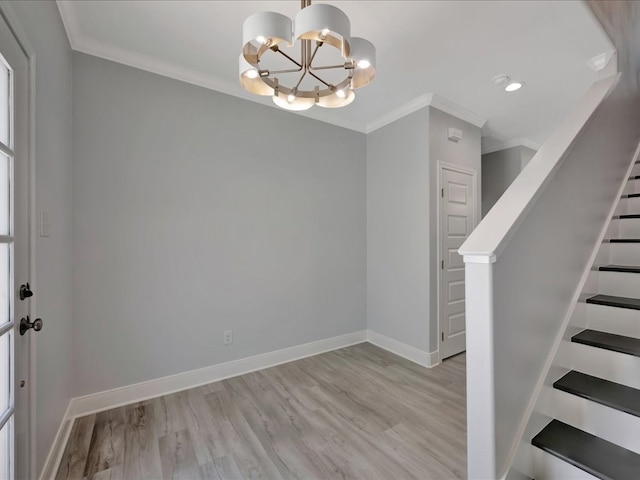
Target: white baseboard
87,404
52,462
426,359
108,399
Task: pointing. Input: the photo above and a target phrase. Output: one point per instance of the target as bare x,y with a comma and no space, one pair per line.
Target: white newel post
481,413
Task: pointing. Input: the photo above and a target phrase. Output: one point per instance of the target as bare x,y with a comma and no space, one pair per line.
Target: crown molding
455,110
427,100
81,43
70,22
397,113
514,142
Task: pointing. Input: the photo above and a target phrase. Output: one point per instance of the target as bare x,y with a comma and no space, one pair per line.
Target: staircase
596,429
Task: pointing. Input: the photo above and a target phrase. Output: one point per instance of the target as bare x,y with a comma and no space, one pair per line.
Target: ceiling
444,53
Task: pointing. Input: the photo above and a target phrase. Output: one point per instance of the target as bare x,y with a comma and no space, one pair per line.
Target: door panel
457,220
15,404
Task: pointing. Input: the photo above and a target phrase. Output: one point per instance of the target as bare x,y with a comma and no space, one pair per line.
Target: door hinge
442,265
442,336
442,193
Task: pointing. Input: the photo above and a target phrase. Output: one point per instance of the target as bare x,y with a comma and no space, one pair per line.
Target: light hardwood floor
359,413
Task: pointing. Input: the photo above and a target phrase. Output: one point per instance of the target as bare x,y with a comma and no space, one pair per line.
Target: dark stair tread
613,301
631,195
634,177
599,390
587,452
624,240
629,216
620,268
608,341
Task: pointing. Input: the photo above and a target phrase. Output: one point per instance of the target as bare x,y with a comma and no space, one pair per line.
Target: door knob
25,291
25,325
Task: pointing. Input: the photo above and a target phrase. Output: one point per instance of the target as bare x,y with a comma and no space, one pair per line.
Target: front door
457,220
15,452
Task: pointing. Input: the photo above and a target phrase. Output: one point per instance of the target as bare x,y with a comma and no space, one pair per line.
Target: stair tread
587,452
629,216
613,301
632,195
620,268
609,341
624,240
599,390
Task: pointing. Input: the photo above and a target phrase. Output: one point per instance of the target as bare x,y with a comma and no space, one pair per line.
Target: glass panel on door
5,103
7,398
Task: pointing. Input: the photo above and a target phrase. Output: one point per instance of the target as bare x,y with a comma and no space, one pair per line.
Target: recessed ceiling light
513,86
501,80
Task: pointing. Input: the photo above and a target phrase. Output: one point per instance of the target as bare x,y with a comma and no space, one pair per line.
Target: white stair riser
629,206
548,467
619,283
626,228
635,171
633,186
612,366
621,321
625,253
599,420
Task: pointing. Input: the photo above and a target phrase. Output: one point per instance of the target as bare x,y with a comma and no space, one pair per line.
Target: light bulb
512,87
324,32
364,63
253,73
341,93
291,98
264,40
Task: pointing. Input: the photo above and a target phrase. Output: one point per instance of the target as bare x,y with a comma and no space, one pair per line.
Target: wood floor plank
168,416
74,457
114,473
249,453
178,458
107,442
354,413
141,454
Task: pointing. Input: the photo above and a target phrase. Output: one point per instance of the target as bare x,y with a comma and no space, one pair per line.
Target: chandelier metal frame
315,27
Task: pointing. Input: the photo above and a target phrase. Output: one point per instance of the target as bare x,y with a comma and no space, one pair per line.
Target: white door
457,220
15,385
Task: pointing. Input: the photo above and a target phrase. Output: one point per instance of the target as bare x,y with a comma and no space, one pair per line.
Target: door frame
11,20
439,258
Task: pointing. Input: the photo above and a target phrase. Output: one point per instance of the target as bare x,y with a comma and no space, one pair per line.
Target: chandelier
319,76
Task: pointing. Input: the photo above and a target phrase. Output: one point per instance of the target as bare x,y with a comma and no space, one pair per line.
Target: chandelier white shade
305,81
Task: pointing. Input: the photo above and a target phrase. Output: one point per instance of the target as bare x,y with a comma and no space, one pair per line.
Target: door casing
440,204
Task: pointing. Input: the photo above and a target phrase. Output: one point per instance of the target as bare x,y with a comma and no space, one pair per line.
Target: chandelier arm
300,66
319,79
329,67
278,72
313,55
300,80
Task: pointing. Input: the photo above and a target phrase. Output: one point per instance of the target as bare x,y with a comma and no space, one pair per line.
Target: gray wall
195,212
398,230
499,169
45,34
465,153
402,177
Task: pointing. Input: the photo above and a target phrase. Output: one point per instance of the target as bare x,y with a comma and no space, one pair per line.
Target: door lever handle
25,325
25,291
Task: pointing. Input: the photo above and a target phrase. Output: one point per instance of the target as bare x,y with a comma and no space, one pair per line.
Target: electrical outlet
228,337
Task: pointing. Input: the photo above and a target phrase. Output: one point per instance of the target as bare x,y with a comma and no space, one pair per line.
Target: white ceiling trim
427,100
455,110
81,43
515,142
